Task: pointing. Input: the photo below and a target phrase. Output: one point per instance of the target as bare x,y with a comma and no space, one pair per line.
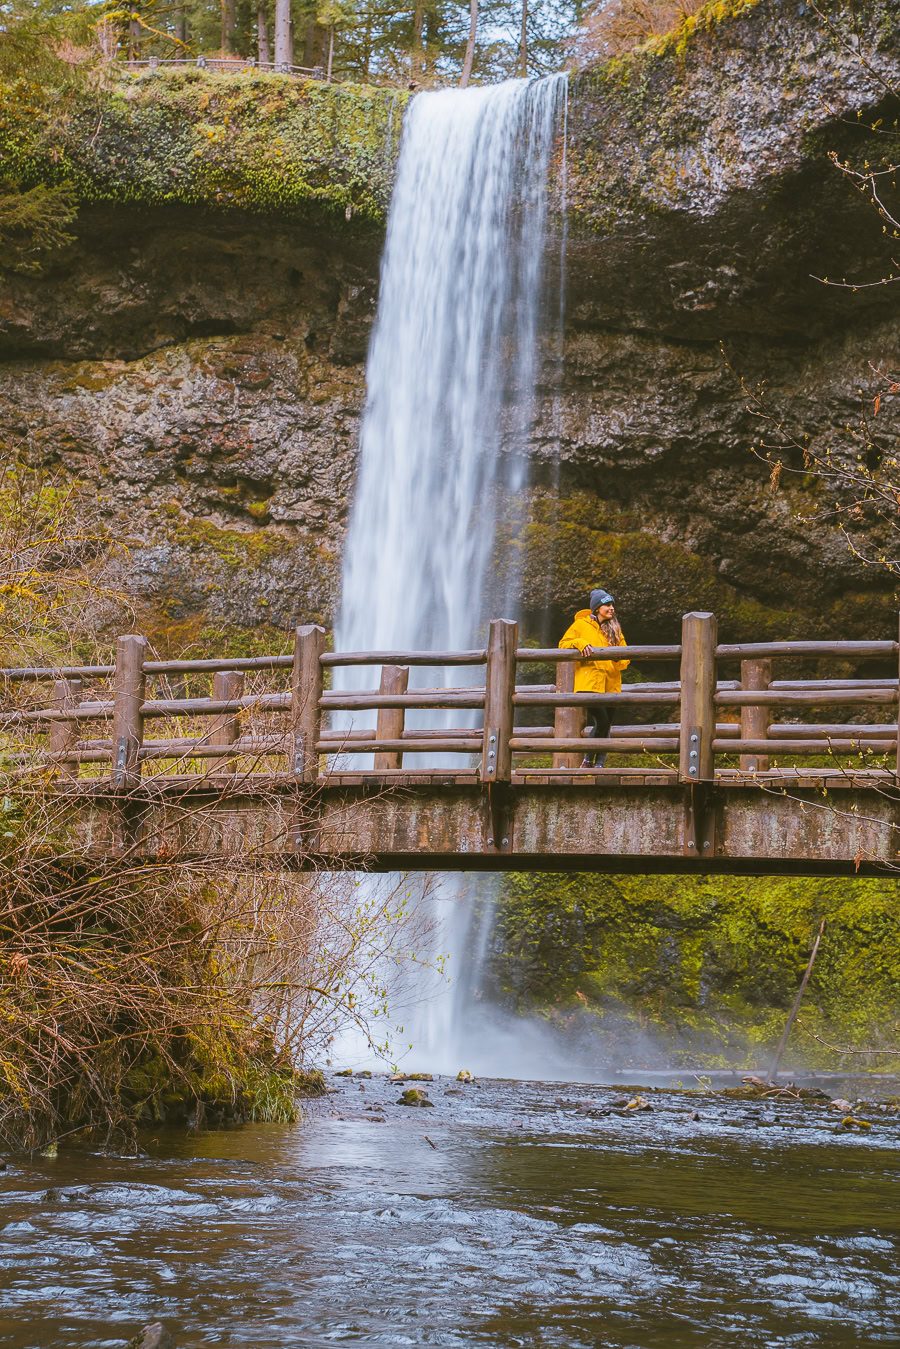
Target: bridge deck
770,826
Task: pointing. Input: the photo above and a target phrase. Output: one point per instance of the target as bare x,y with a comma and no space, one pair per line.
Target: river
538,1214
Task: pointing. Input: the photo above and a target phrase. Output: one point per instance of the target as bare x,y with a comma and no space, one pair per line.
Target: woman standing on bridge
590,631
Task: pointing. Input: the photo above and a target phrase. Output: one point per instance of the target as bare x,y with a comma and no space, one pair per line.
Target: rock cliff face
197,355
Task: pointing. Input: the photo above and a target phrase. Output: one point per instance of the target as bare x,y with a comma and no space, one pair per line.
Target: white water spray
450,385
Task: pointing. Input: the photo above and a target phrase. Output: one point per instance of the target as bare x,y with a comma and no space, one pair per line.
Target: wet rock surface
203,372
153,1336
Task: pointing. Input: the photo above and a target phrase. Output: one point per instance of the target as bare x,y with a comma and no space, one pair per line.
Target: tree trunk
181,26
523,41
263,51
417,57
330,52
229,27
313,45
284,37
470,45
134,37
367,45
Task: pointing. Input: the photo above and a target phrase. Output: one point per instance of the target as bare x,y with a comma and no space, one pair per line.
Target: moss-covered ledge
740,95
254,142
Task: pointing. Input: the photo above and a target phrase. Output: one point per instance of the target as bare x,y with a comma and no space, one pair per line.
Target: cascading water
450,388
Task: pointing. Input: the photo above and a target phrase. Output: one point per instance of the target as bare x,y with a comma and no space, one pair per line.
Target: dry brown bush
614,27
142,990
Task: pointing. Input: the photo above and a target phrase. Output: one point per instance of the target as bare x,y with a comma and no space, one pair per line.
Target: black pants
599,721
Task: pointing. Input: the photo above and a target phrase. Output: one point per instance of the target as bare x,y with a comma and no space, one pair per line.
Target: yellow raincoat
592,676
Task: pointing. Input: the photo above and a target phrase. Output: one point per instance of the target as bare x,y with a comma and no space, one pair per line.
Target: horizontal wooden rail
563,744
592,699
151,667
801,697
436,658
555,653
155,707
811,746
743,650
833,684
409,746
58,672
801,730
426,698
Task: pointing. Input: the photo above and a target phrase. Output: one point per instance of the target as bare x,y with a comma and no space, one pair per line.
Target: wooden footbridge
282,761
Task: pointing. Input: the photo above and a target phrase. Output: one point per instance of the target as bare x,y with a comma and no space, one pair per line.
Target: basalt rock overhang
698,189
701,197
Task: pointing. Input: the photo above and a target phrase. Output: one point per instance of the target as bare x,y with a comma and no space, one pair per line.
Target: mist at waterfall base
467,307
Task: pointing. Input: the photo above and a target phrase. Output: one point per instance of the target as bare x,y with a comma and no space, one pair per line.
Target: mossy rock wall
701,972
197,353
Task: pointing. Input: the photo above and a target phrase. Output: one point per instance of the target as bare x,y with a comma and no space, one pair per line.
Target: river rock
415,1098
153,1336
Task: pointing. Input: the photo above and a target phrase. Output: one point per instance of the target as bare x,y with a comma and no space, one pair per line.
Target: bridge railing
286,731
227,65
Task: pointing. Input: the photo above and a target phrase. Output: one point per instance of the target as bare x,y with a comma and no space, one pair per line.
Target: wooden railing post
755,674
499,687
567,721
226,686
128,724
698,686
391,720
64,734
306,690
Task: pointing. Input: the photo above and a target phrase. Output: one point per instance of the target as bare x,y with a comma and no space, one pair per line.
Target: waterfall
451,373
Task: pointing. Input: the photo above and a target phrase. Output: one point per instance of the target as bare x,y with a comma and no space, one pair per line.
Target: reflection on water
543,1215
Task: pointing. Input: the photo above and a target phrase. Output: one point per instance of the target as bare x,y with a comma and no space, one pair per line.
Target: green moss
237,549
257,142
574,540
707,966
708,16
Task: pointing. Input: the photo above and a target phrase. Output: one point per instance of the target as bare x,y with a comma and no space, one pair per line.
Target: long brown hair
611,630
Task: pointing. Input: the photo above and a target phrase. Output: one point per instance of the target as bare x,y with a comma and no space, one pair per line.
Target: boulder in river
153,1336
414,1097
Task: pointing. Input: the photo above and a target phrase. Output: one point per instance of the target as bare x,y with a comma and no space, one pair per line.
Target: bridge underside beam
651,829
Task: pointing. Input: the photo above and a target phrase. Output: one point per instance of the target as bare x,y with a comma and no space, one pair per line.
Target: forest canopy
420,43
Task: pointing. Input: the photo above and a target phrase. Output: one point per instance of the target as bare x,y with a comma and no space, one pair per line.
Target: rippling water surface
543,1215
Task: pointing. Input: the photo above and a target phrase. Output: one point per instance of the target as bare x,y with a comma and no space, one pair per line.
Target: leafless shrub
147,983
614,27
